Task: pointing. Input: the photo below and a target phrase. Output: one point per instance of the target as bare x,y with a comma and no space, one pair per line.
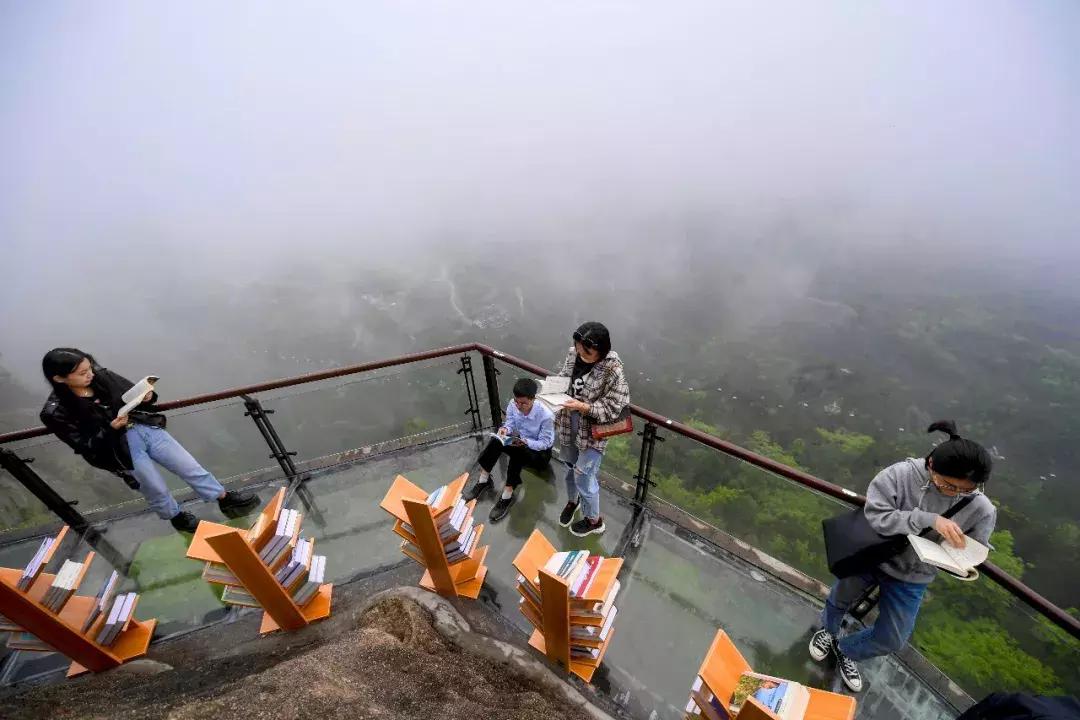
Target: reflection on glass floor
676,589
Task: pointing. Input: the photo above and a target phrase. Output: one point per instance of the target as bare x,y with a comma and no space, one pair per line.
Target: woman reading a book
600,394
83,412
526,437
908,498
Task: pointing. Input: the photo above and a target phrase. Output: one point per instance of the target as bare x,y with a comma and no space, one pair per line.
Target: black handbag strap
964,502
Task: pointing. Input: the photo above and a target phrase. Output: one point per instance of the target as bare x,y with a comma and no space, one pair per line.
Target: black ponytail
959,457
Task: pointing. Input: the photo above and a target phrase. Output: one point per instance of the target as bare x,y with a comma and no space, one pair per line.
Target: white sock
508,492
484,477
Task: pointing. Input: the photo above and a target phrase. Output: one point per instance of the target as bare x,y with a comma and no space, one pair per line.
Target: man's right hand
119,423
502,432
950,531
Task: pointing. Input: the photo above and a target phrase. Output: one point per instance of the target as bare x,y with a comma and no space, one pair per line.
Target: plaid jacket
605,389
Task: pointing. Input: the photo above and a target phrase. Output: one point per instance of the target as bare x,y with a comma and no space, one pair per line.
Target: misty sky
148,149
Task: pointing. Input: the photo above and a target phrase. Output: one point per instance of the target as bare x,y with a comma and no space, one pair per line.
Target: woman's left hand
148,396
578,405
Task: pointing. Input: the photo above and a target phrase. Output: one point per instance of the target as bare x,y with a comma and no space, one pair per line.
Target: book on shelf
600,609
462,539
448,523
304,592
702,702
7,626
436,496
580,652
466,548
786,699
239,595
265,524
286,526
123,608
102,600
530,589
64,585
960,561
298,563
34,567
592,632
583,580
23,640
219,573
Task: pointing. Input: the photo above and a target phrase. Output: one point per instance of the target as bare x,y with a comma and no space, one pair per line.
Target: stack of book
123,610
104,597
64,585
313,580
585,585
726,687
447,543
41,558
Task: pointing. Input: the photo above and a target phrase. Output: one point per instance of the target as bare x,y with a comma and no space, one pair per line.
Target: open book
134,397
507,439
958,561
552,392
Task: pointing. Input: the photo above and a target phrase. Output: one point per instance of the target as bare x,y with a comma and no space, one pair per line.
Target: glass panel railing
775,515
987,641
975,633
318,420
18,506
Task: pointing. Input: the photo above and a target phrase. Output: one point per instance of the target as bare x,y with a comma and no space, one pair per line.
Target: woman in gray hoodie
906,499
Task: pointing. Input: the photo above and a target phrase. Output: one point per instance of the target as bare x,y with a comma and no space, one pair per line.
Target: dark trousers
520,456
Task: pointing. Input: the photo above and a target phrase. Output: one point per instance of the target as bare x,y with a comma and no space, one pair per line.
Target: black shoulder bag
853,547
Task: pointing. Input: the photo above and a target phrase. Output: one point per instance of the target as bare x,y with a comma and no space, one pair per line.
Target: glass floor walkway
677,589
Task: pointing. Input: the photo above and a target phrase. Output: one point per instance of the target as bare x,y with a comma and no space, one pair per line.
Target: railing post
470,391
491,377
64,509
260,415
649,438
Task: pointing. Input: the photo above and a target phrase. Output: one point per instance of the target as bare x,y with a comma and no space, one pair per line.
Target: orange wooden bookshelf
417,523
555,617
238,551
720,671
62,630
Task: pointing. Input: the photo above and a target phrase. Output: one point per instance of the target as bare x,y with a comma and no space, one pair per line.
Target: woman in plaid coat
600,393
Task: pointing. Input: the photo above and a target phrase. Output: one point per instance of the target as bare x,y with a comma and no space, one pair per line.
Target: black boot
237,504
184,522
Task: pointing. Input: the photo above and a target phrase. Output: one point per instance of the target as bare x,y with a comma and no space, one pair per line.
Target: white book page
973,553
134,396
554,384
931,552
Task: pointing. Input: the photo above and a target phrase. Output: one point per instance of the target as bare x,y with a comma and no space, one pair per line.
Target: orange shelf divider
554,619
62,630
721,669
236,549
406,502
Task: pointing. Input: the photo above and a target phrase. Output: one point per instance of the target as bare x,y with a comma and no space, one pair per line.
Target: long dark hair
63,361
959,457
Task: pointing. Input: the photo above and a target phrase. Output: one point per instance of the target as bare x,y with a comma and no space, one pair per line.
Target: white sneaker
849,671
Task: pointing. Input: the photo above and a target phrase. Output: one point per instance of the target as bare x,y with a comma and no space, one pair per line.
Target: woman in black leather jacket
82,411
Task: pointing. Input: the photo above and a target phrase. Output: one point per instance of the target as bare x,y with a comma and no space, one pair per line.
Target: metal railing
653,421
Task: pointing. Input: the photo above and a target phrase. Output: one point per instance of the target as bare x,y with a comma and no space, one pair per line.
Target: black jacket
1021,706
84,425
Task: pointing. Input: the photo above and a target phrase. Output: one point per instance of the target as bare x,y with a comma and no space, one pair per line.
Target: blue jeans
150,445
583,475
897,608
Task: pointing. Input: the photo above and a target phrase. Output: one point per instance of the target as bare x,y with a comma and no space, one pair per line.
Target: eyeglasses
943,485
586,342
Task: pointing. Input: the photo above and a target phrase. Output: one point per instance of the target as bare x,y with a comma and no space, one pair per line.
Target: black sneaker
185,522
476,490
849,671
567,515
502,507
821,645
584,527
235,504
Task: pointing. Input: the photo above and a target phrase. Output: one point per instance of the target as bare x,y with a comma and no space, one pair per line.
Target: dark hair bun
945,426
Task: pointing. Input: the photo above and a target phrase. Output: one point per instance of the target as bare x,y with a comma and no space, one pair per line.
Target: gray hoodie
902,500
